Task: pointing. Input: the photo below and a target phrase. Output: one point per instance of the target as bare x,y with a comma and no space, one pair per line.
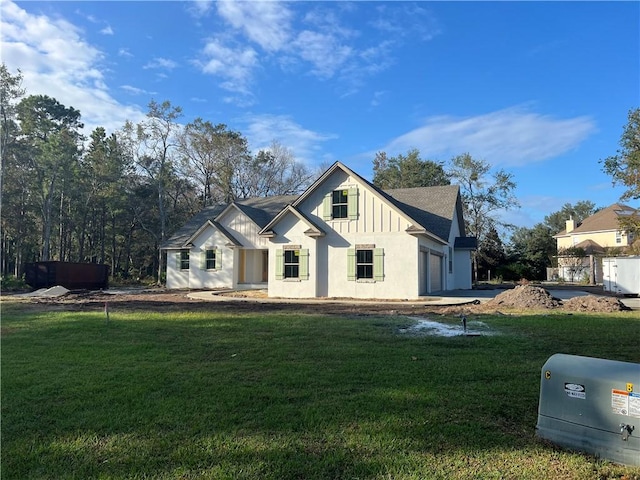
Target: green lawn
287,396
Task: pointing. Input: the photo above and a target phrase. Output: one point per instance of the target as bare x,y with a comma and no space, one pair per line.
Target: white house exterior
220,246
343,237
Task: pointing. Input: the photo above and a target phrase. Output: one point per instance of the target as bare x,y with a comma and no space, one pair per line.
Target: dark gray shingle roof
259,209
432,207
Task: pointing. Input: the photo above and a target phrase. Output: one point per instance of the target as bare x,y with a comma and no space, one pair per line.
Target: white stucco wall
378,224
293,234
176,278
211,238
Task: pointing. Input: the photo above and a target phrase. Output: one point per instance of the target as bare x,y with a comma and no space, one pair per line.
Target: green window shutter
218,259
327,204
279,264
304,264
352,204
378,264
351,264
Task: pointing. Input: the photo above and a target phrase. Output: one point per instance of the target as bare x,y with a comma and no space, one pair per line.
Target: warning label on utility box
620,402
634,404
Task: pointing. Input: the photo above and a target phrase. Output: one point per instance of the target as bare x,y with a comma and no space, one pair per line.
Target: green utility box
591,405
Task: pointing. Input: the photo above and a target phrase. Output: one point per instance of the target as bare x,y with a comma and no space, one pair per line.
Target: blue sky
541,89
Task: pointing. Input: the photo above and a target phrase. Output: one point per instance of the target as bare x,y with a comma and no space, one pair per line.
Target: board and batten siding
375,215
243,229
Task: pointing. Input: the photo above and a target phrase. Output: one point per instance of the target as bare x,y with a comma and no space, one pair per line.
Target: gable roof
313,231
259,209
602,220
433,208
430,209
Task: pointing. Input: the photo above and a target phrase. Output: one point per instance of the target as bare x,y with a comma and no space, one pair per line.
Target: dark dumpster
70,275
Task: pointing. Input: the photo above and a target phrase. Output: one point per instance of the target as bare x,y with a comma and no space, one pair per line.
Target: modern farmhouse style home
342,237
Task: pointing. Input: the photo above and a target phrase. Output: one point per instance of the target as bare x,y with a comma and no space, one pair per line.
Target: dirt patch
592,303
529,297
519,298
524,297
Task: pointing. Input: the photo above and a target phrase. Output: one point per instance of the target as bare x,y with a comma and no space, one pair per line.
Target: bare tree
152,146
273,171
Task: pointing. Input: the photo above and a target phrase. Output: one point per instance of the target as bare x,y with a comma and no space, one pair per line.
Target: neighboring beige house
597,235
342,237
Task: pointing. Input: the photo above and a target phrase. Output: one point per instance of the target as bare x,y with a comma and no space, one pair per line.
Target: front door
265,266
242,266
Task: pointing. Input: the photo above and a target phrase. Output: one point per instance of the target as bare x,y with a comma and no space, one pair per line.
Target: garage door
435,272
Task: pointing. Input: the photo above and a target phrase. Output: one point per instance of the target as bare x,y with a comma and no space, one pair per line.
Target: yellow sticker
345,192
547,374
296,253
629,387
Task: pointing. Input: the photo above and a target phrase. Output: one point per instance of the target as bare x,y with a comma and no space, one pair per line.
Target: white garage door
435,272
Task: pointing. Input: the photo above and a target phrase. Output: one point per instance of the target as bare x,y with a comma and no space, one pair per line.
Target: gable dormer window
341,204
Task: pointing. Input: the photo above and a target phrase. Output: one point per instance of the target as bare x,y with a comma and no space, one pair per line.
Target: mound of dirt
525,297
592,303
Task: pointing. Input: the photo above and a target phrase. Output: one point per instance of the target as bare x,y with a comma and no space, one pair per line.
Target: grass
281,396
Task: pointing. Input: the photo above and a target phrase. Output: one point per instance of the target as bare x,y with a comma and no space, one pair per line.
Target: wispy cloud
57,61
326,53
199,8
306,144
404,20
107,30
124,52
267,24
510,137
136,91
233,65
161,64
315,40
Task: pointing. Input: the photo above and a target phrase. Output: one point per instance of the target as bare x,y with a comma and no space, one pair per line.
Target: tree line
529,251
114,198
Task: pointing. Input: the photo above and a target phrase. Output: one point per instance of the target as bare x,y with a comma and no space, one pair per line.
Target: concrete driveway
454,297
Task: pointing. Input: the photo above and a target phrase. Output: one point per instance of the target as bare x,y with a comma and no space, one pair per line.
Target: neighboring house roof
590,247
259,209
603,220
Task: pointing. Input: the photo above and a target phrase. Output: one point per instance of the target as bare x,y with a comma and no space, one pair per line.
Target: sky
539,89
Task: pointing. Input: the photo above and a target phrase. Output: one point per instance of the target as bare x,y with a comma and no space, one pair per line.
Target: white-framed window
618,236
292,263
341,204
183,259
211,259
365,263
